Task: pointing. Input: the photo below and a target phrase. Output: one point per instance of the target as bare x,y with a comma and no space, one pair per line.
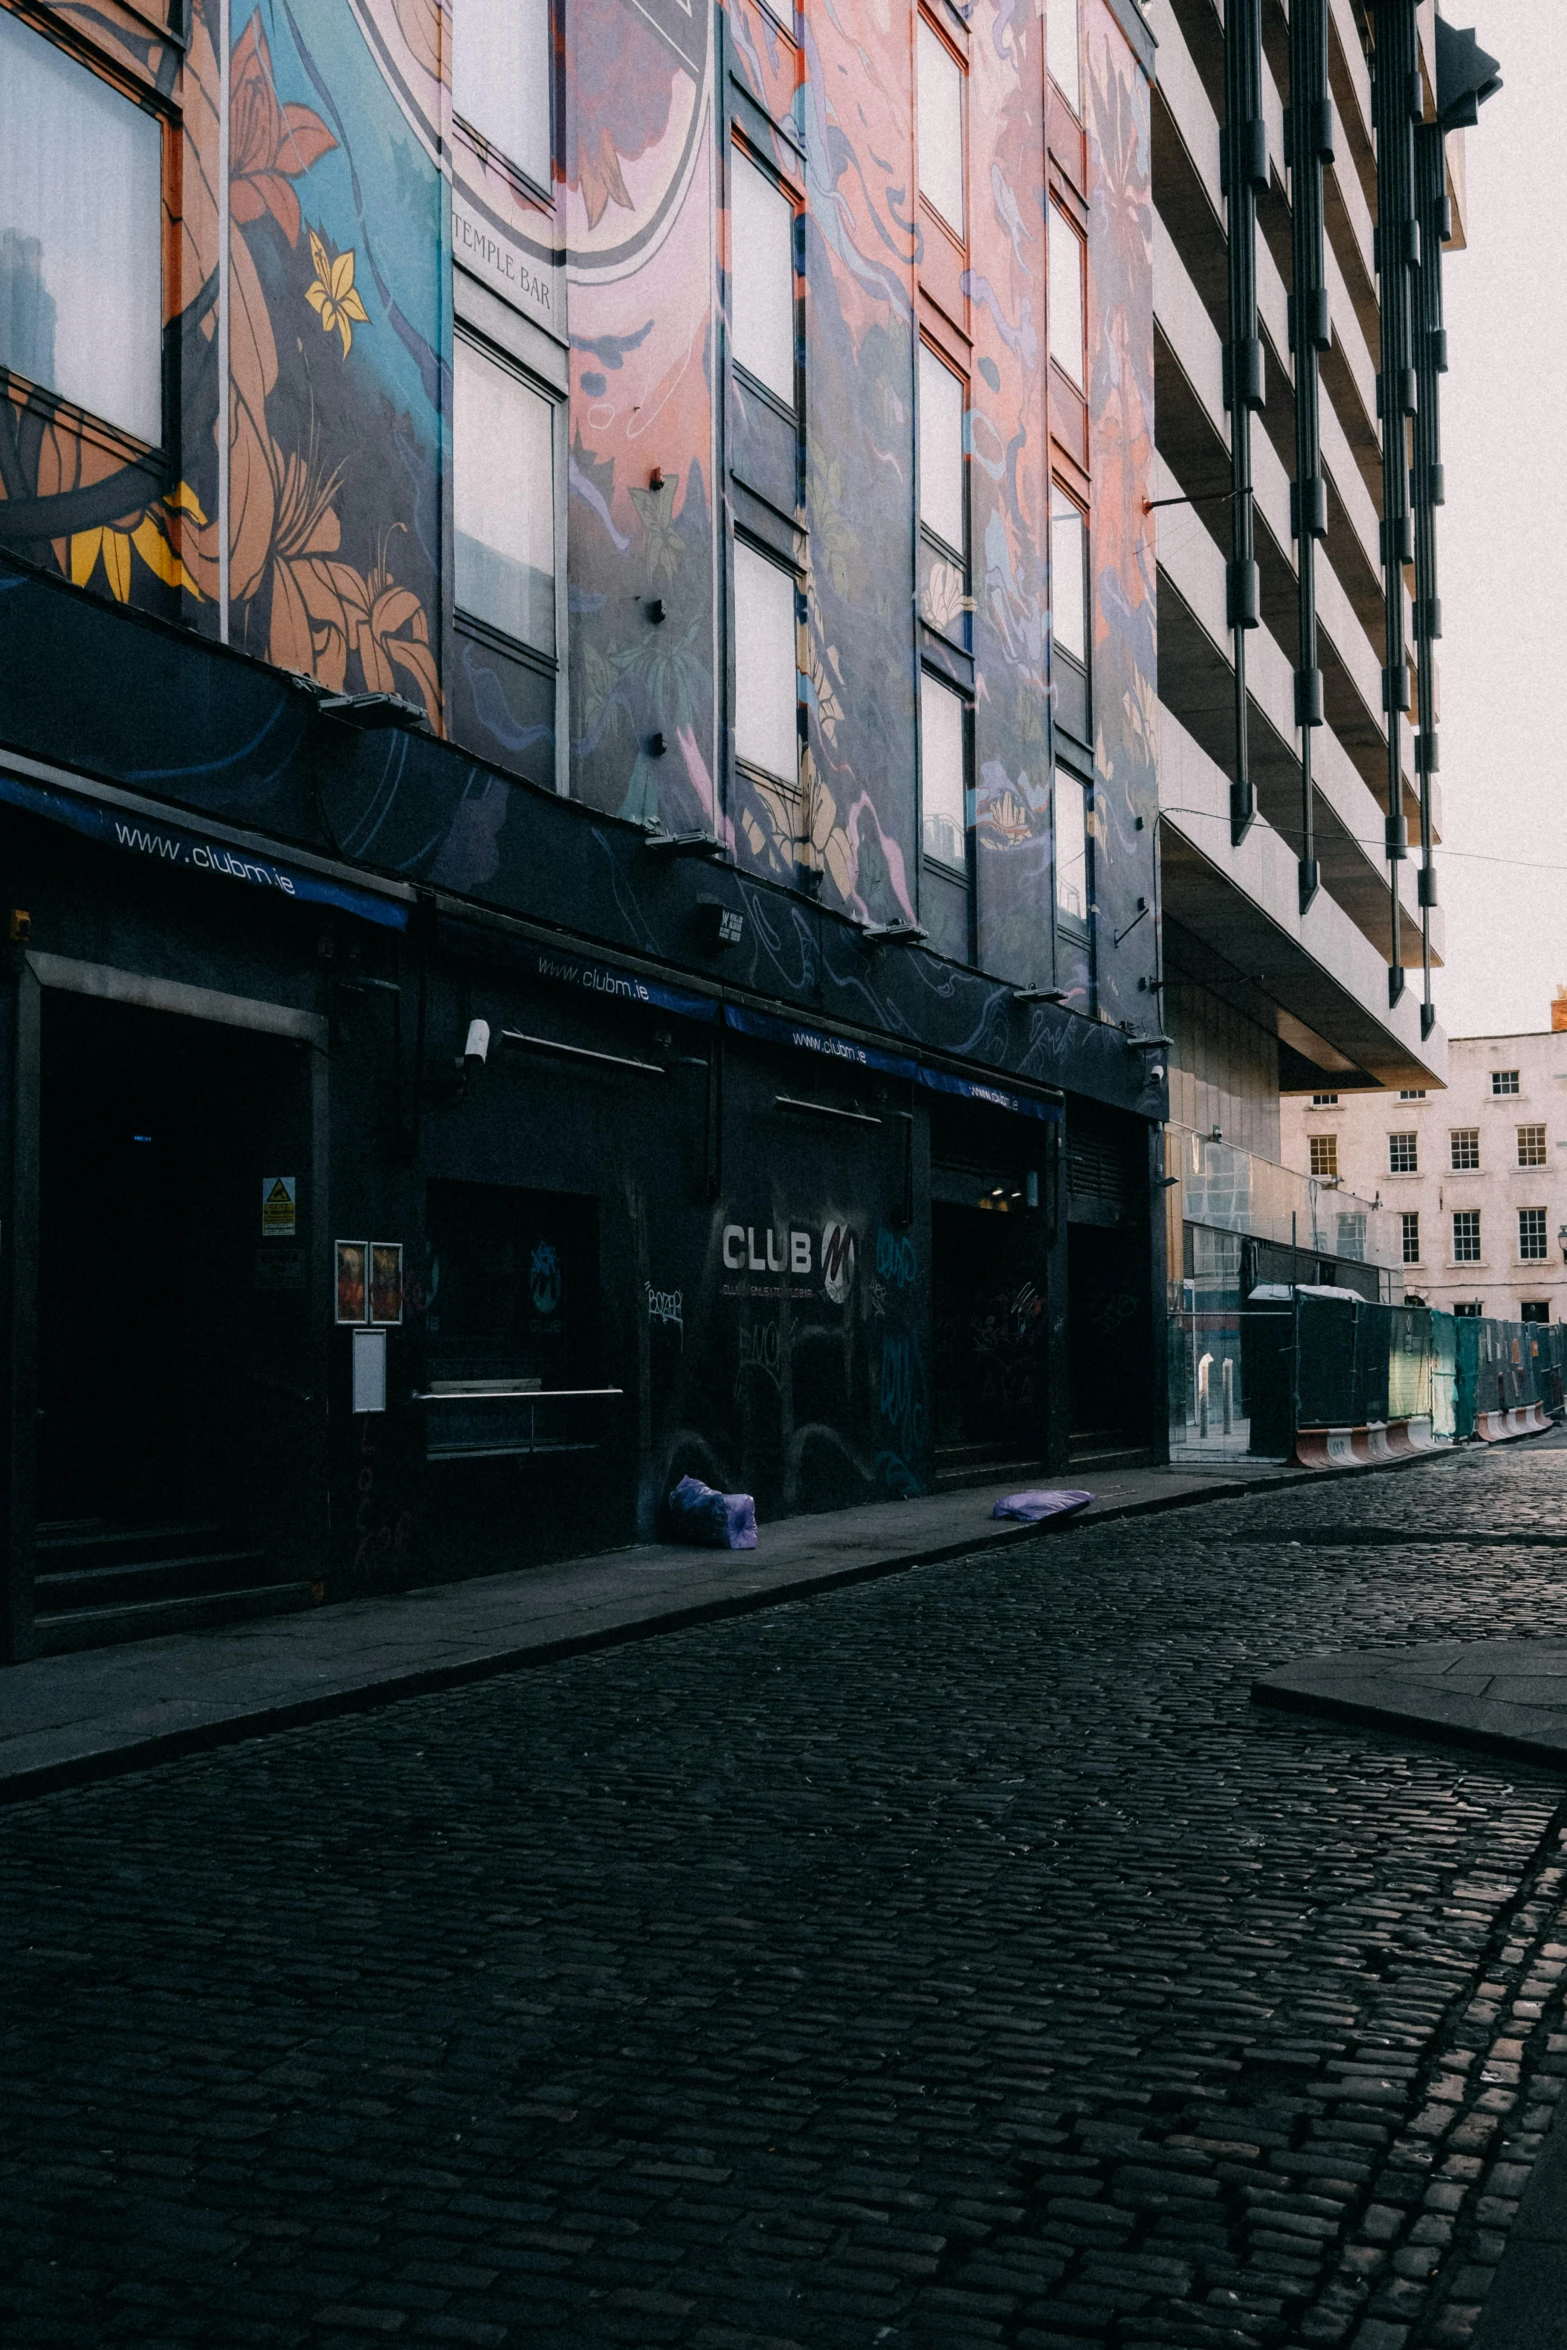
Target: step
135,1582
961,1477
97,1542
1103,1458
104,1627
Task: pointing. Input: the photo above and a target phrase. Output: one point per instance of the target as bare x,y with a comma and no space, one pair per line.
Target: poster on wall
386,1281
352,1283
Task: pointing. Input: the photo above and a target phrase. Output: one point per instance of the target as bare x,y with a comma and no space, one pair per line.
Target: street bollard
1227,1388
1203,1368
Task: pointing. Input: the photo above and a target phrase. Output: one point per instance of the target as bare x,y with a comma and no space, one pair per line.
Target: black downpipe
1310,146
1397,104
1244,168
1429,491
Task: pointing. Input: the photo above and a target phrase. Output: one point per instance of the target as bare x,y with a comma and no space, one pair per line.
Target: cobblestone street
957,1959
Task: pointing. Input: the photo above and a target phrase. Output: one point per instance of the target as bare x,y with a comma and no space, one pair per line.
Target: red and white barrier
1363,1448
1520,1419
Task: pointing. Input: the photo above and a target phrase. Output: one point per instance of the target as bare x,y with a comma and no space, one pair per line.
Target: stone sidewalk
67,1719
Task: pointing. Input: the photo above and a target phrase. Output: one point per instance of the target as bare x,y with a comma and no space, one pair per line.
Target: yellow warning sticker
279,1206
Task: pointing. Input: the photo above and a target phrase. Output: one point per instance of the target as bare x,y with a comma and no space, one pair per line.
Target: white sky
1502,545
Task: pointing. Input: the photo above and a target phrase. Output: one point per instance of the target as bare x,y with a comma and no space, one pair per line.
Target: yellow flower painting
333,295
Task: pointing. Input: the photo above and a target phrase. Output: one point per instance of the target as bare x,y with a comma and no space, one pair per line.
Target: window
1412,1093
502,69
943,773
941,451
1324,1101
1062,51
1466,1149
1531,1146
940,127
1069,575
1470,1311
1071,799
1466,1236
1324,1154
503,464
1504,1081
1403,1154
1066,296
767,677
1535,1309
1531,1232
81,223
1352,1238
1410,1220
761,276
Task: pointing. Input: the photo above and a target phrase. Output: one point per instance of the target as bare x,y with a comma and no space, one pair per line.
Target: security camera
1156,1073
477,1049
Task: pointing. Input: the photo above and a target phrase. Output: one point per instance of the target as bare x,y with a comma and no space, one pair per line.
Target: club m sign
748,1249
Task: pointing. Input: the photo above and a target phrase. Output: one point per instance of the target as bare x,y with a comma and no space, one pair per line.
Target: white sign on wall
533,285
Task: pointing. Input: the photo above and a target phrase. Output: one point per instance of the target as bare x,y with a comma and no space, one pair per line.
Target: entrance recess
173,1407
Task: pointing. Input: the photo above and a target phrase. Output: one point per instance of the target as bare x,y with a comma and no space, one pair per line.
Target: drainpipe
1309,143
1243,164
1398,105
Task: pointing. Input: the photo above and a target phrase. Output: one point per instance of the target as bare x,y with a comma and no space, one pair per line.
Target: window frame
1403,1160
941,683
1468,1217
927,25
1537,1151
792,407
1410,1232
1056,211
121,438
1540,1255
944,547
1324,1101
1078,927
1073,98
1501,1091
1464,1165
474,623
1325,1148
487,146
742,541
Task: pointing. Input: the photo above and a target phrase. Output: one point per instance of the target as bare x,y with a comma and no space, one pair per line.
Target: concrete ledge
1505,1697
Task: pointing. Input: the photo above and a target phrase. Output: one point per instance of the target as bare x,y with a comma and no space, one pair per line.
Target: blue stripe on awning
849,1052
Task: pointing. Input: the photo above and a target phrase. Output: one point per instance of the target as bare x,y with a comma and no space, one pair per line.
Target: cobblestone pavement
954,1960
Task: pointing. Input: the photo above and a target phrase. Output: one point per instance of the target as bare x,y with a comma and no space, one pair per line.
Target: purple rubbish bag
1058,1502
711,1520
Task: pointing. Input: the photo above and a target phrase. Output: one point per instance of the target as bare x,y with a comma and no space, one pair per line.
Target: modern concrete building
1308,179
1475,1176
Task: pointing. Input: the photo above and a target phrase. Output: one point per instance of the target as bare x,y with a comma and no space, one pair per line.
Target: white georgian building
1476,1171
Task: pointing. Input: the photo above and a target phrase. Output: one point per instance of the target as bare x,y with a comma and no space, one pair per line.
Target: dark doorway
175,1412
1108,1338
990,1331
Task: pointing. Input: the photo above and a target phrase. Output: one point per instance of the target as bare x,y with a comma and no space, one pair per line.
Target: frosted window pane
761,277
767,684
1069,576
1071,847
941,450
941,772
81,300
1066,296
503,499
941,128
501,73
1061,50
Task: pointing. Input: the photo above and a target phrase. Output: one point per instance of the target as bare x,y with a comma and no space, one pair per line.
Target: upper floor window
942,501
503,467
1531,1233
1063,51
1466,1149
943,773
1466,1236
1410,1235
767,674
1069,575
1531,1146
1504,1081
1066,296
81,302
1324,1154
761,276
1412,1093
1324,1101
1403,1154
940,127
502,69
1071,798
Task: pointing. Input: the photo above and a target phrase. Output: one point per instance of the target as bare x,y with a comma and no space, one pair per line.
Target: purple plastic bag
711,1520
1057,1502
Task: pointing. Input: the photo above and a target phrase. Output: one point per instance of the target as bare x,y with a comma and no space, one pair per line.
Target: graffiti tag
666,1305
